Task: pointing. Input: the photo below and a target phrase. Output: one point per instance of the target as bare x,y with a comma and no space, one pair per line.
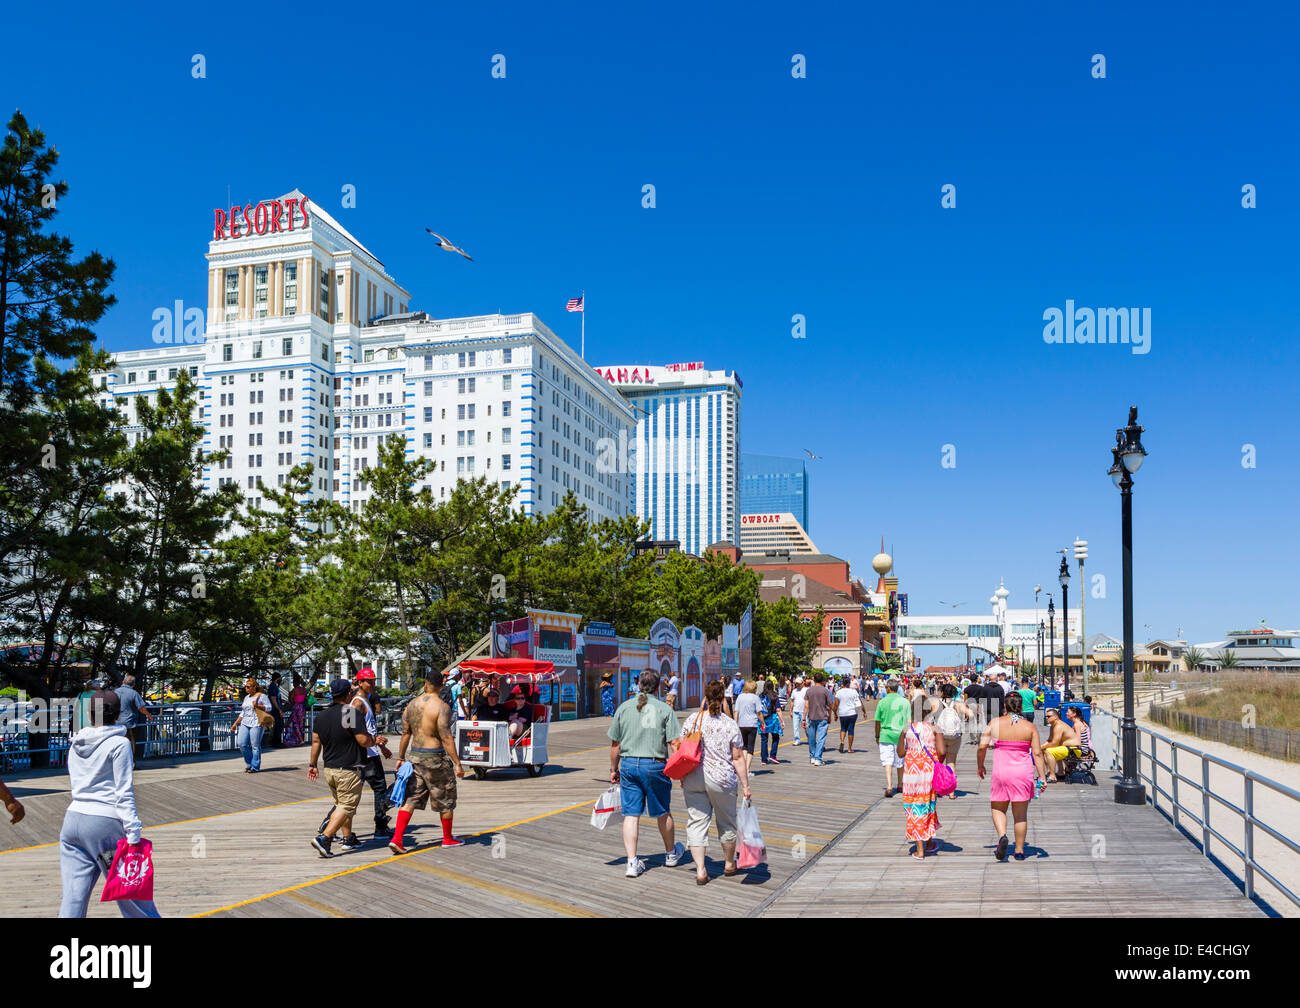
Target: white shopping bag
749,841
605,806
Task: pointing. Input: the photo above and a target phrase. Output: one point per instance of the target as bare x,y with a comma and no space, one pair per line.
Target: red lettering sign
264,217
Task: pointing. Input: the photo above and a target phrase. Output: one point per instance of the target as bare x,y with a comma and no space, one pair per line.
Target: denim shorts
643,787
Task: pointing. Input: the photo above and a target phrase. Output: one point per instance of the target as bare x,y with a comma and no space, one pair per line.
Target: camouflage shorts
433,781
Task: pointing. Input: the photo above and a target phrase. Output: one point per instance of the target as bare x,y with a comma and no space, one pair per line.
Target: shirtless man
435,764
1061,735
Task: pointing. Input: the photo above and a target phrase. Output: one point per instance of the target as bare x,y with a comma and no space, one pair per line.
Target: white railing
1206,799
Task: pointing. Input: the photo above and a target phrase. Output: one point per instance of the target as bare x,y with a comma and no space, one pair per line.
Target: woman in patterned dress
921,747
295,731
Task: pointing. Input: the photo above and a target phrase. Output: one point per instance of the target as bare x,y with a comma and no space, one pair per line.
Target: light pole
1051,637
1081,554
1037,591
1063,576
1128,454
1042,632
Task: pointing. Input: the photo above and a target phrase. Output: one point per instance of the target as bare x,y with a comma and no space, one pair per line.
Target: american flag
574,305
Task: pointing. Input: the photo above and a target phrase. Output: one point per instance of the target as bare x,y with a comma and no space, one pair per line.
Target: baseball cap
339,687
365,673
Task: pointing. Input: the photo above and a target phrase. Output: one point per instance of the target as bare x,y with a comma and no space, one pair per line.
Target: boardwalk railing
1170,781
177,729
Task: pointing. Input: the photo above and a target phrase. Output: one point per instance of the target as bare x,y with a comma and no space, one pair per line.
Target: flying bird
443,243
954,605
811,455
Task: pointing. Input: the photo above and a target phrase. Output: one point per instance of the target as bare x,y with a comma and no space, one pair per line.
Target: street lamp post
1064,577
1128,455
1038,589
1051,637
1042,632
1081,554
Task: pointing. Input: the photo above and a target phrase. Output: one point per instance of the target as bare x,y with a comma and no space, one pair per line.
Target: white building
311,355
780,531
686,454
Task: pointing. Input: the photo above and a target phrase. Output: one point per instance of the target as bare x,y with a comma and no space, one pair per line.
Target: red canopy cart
487,745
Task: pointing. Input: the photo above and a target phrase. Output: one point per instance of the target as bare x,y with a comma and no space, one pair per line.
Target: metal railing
1149,770
176,729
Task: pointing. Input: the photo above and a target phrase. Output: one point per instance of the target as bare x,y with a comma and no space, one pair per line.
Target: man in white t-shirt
671,697
847,707
796,698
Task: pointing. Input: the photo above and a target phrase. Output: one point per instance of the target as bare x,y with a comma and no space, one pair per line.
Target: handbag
264,717
689,754
130,876
945,778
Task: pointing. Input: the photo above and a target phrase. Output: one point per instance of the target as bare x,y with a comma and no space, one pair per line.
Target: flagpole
583,354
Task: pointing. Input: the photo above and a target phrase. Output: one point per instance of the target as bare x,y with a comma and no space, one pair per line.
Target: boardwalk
228,844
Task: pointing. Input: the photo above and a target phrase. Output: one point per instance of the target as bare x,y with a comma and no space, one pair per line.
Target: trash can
1051,698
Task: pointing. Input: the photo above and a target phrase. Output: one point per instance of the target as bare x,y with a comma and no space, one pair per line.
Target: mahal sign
267,217
624,376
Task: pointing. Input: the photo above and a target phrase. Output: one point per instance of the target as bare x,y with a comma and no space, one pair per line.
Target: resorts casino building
311,354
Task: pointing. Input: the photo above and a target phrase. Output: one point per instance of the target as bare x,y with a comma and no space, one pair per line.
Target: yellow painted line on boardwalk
518,895
397,857
183,822
307,901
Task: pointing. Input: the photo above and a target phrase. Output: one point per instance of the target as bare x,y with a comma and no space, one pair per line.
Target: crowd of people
919,724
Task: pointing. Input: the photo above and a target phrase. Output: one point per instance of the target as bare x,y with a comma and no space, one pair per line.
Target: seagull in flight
443,243
953,605
811,455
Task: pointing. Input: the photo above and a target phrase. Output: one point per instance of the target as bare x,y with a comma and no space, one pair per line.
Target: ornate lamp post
1128,456
1063,576
1081,554
1038,590
1051,639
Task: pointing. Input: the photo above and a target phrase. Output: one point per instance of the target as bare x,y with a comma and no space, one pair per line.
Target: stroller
1082,761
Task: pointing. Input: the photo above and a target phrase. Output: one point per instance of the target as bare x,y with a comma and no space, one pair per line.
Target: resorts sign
267,217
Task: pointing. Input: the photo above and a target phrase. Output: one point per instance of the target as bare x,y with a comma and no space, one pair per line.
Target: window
505,381
505,435
428,414
228,352
428,362
428,388
460,360
257,350
839,631
286,348
290,288
505,359
505,409
505,461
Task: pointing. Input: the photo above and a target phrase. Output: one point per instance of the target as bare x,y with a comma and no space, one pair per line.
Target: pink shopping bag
131,875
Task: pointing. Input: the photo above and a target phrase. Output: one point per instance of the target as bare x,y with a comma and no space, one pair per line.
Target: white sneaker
635,866
673,858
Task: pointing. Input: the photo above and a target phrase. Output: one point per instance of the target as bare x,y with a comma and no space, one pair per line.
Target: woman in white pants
102,810
710,789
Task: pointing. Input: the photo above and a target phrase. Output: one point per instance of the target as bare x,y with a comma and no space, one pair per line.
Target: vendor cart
487,745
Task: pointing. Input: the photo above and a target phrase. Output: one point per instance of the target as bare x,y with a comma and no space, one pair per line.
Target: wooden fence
1276,742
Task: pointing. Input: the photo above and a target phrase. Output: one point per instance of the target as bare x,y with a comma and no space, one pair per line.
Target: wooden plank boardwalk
230,844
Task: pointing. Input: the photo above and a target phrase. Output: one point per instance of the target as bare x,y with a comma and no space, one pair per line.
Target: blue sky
777,197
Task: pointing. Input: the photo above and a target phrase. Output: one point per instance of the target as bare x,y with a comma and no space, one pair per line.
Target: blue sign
902,603
599,630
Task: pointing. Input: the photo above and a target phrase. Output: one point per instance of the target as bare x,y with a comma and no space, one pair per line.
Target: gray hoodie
100,766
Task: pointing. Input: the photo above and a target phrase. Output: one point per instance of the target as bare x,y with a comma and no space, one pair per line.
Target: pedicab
487,745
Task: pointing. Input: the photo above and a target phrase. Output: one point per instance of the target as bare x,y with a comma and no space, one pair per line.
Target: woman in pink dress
1017,753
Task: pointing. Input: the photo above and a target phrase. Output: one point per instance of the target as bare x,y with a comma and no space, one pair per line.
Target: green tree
1228,659
1192,656
155,576
784,642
